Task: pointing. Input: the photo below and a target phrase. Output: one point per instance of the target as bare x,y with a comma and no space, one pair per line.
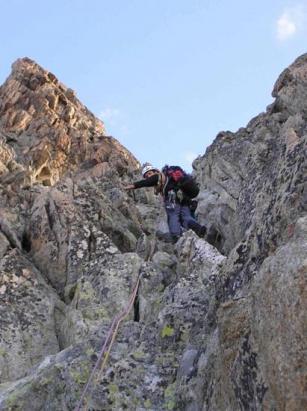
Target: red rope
109,341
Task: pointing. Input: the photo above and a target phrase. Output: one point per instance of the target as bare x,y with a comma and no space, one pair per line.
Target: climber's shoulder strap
159,186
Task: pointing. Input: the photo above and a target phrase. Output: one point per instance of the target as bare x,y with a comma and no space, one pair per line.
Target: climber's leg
189,222
173,219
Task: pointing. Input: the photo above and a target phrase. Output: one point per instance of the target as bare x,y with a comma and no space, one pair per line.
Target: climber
177,189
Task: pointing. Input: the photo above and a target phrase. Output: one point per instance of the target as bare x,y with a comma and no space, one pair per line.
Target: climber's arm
146,182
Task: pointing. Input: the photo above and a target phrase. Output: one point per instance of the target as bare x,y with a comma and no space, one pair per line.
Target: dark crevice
26,242
137,308
49,216
52,214
59,317
91,245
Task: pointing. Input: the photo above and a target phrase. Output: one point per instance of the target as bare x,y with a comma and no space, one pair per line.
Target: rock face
254,194
49,130
212,328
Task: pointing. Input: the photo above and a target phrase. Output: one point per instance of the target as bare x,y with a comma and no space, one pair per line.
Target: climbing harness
108,343
171,200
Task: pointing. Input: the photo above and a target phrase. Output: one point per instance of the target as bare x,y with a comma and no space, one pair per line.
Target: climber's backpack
184,181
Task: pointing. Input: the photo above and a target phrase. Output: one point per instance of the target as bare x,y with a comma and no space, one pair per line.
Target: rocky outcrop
253,181
52,229
213,327
254,195
49,130
142,367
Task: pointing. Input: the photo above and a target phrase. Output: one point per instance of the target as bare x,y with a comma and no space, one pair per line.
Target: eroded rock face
50,131
142,369
254,194
212,328
58,234
27,325
253,181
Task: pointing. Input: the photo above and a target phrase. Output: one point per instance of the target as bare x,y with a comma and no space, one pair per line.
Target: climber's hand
129,187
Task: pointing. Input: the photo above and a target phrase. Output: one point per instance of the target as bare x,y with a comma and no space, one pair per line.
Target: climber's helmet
147,169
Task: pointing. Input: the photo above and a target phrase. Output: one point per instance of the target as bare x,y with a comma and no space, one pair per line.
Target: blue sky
164,75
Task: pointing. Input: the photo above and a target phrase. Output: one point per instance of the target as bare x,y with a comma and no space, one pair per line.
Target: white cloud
286,28
109,114
290,22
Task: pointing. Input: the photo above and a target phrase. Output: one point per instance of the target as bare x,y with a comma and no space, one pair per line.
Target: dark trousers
179,216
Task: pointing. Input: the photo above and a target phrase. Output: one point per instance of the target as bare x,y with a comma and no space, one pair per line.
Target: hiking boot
166,237
200,231
175,238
